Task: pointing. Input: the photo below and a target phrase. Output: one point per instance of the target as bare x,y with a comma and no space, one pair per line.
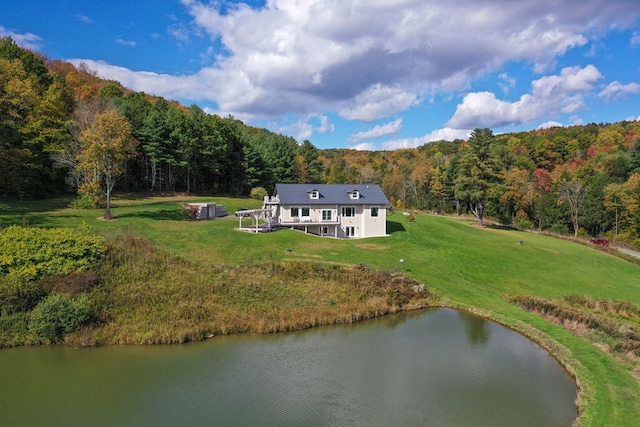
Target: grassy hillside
466,266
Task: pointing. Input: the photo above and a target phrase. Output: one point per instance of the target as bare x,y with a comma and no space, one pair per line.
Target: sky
361,74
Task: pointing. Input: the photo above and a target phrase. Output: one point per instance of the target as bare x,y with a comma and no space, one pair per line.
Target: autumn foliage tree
106,147
572,193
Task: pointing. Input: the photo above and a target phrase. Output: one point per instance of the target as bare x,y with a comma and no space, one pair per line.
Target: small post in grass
402,263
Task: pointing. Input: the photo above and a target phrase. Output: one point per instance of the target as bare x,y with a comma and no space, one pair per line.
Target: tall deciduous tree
615,202
106,146
572,193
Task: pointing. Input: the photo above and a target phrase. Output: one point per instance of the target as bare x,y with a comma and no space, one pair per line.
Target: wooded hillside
570,180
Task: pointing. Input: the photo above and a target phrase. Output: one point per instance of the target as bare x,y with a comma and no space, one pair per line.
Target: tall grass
150,296
614,326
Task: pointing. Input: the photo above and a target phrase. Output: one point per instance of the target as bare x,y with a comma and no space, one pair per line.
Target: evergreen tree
477,172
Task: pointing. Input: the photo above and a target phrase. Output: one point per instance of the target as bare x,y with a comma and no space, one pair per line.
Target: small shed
205,210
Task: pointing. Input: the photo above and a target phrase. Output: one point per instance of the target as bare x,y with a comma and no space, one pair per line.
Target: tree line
50,111
570,180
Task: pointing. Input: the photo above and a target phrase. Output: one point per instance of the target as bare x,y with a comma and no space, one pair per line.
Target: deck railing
305,220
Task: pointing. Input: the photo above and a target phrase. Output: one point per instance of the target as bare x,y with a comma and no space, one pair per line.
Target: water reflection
429,368
476,327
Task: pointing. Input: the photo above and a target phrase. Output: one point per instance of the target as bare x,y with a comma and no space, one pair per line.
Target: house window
326,215
354,194
348,211
298,212
350,231
375,211
315,194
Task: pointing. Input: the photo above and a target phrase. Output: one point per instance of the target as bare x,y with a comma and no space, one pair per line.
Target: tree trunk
478,211
110,184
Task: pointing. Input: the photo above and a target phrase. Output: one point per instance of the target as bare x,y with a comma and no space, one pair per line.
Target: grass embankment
467,267
612,325
152,297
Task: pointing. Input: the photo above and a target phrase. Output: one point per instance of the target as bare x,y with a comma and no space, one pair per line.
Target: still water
428,368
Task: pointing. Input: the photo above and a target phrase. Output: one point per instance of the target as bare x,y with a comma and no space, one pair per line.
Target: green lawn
468,267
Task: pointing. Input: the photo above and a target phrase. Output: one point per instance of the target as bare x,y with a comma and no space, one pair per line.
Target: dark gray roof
293,194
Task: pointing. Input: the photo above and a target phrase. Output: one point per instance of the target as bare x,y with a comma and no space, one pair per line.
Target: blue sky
375,74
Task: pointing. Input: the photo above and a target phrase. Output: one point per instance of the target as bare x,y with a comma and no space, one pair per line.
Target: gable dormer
354,194
314,194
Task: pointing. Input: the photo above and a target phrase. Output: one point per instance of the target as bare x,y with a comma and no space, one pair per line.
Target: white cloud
378,131
369,60
550,95
171,87
506,83
125,42
575,121
306,126
446,134
550,124
84,18
341,55
617,90
365,146
27,40
378,102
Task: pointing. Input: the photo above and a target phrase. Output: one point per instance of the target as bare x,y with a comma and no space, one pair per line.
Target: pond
437,367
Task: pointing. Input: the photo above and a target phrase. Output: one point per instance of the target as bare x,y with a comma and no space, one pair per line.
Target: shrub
58,315
583,233
84,201
14,330
32,253
17,295
559,229
523,224
258,193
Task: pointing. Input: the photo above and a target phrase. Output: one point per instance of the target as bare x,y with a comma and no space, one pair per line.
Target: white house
336,210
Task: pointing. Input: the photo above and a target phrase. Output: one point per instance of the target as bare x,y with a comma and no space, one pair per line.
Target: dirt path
629,252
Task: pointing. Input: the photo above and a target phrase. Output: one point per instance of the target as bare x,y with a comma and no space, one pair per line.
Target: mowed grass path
468,267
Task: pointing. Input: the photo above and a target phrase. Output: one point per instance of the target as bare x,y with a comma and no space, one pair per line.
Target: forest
64,130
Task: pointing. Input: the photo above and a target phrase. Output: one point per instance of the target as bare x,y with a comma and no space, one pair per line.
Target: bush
559,229
32,253
84,201
583,233
14,330
523,224
58,315
258,193
17,295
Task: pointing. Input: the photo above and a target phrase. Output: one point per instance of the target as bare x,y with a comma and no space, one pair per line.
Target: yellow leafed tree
106,146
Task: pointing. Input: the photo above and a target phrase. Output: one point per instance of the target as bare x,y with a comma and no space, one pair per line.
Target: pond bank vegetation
611,325
141,294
